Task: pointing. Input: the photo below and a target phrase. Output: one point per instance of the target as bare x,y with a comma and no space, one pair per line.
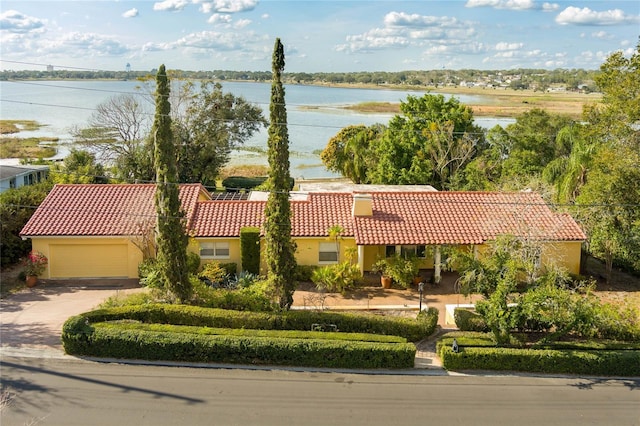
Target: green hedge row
411,329
588,362
469,320
81,338
282,334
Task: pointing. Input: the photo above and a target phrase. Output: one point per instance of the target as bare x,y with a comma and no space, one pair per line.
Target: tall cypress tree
280,250
171,237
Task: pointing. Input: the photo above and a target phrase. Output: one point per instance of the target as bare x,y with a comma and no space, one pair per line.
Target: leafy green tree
171,238
608,202
568,171
16,208
350,152
280,250
214,124
430,143
78,167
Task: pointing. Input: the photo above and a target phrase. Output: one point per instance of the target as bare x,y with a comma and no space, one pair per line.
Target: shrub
468,320
193,262
250,249
411,329
243,299
591,362
238,183
337,278
303,273
149,273
120,343
214,274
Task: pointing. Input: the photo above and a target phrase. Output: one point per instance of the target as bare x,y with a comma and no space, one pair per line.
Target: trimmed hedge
164,336
468,320
411,329
136,344
250,249
478,351
282,334
589,362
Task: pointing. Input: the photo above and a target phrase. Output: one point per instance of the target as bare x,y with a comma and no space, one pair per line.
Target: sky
319,36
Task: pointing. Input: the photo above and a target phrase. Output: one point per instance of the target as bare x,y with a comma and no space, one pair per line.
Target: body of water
315,113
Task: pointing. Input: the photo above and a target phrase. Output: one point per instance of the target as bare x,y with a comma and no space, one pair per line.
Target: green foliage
171,237
16,208
215,273
283,334
401,270
78,167
411,329
303,273
589,362
468,320
351,152
254,298
239,183
117,343
340,277
430,143
279,248
193,262
250,249
213,125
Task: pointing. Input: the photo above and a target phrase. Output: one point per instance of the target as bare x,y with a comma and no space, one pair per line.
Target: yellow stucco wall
235,256
308,249
89,257
565,254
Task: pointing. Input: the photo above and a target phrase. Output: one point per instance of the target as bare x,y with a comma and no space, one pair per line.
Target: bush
250,249
337,278
214,274
411,329
149,273
193,262
303,273
591,362
239,183
468,320
135,344
251,298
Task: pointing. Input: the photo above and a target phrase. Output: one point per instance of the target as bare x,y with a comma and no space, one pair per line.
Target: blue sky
319,36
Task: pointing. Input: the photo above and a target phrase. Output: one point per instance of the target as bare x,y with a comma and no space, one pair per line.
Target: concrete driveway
33,317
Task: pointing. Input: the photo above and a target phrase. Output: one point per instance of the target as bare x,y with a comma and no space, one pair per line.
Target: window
216,250
390,251
328,253
413,251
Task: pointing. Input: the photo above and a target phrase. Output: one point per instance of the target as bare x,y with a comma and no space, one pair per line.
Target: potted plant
382,267
399,269
34,265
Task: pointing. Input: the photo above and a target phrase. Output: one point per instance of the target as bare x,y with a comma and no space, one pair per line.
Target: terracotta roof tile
100,210
460,218
398,218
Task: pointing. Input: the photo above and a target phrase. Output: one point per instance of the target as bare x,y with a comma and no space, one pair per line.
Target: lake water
63,105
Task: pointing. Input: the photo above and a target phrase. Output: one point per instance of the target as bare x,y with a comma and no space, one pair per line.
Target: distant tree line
539,79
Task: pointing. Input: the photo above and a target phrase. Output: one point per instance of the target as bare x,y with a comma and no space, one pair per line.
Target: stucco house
91,231
15,176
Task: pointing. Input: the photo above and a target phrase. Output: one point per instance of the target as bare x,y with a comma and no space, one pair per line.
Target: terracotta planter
385,281
417,280
31,280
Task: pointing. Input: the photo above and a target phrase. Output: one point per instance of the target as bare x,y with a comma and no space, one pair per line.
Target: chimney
362,205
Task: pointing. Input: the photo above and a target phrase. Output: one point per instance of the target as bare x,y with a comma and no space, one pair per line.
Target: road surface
80,392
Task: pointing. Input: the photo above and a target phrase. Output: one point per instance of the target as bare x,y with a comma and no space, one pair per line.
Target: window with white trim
216,250
328,252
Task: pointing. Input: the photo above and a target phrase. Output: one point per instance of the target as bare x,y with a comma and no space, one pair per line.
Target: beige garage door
88,260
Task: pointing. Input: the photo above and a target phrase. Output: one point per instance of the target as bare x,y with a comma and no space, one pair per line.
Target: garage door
88,260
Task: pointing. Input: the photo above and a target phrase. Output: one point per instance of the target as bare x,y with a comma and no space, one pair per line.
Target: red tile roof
398,218
460,218
101,210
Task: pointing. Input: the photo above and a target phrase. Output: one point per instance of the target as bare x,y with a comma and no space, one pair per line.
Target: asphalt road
78,392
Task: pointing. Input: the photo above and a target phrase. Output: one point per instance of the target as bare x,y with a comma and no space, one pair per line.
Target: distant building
17,176
49,68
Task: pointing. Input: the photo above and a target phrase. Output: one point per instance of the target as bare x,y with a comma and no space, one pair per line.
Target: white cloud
219,18
585,16
131,13
17,22
85,44
550,7
503,46
401,19
506,4
226,6
602,35
171,5
241,23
